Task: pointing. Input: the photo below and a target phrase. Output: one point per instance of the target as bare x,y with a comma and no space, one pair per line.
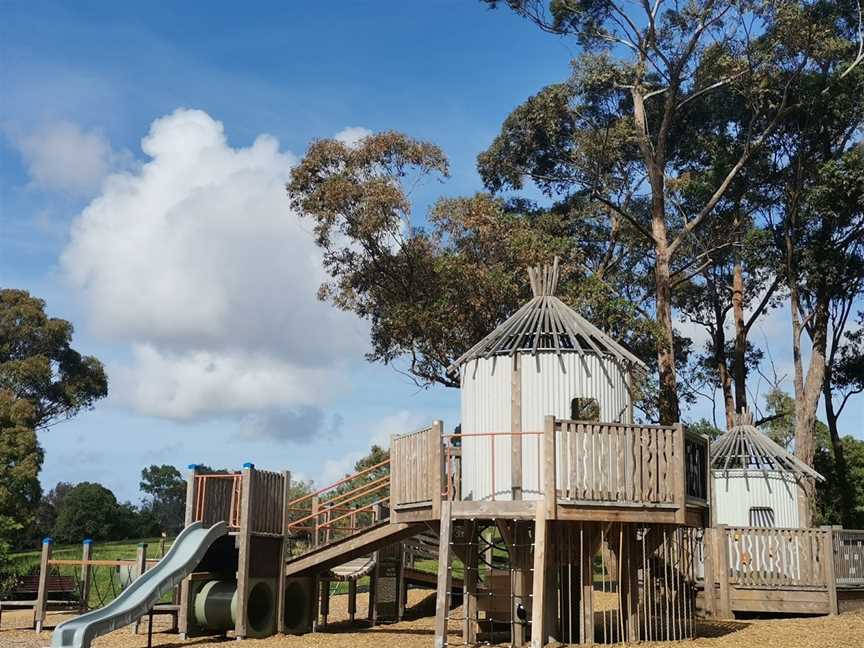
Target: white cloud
197,260
379,433
352,135
62,157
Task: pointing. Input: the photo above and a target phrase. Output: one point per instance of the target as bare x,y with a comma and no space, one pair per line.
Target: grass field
107,581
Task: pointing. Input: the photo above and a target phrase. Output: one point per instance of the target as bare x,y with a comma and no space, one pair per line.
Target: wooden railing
611,462
776,558
849,556
417,464
343,508
696,461
217,498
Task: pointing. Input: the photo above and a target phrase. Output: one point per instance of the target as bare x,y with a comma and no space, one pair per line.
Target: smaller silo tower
546,359
756,482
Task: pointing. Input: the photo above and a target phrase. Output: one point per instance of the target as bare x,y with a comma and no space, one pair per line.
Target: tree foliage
89,511
39,365
165,491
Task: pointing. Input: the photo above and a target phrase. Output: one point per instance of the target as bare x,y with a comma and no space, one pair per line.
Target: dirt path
844,631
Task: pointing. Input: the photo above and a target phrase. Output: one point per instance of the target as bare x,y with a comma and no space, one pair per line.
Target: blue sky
207,321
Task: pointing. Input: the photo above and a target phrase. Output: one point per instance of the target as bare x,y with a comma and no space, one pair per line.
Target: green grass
107,581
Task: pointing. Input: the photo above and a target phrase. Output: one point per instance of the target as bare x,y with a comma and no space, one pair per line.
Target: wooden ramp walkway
346,549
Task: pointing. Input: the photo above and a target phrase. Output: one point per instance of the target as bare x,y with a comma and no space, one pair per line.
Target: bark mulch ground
844,631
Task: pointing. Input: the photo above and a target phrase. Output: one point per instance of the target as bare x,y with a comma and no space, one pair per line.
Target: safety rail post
42,591
283,553
86,571
436,464
680,475
315,521
721,552
828,568
708,553
244,538
550,492
140,568
185,585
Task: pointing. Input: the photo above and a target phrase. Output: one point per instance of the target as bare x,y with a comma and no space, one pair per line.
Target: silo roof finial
544,280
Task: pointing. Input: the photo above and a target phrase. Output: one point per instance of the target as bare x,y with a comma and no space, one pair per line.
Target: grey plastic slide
144,592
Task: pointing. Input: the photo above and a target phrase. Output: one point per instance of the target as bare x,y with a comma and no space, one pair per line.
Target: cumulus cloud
62,157
197,260
352,135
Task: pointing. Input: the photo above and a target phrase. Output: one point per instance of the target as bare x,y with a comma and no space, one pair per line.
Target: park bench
61,592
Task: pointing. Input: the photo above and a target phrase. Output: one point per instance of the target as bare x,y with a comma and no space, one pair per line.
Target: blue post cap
192,466
88,540
248,464
48,540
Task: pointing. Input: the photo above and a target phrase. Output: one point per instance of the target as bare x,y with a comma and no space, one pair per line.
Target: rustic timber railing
343,508
611,462
750,569
217,498
417,464
777,558
849,557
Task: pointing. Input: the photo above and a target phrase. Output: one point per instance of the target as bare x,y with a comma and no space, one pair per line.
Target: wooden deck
795,571
590,471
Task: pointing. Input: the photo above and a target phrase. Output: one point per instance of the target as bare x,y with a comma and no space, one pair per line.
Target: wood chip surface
843,631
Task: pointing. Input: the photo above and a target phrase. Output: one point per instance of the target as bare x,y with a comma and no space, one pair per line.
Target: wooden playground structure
546,494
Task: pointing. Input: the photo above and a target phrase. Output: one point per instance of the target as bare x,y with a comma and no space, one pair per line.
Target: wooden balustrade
777,558
849,556
417,467
217,498
612,462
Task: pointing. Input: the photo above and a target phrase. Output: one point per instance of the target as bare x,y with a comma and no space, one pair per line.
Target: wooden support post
401,585
86,573
436,466
325,601
42,590
316,599
516,427
244,542
442,598
469,584
708,557
521,580
549,485
283,554
352,600
539,616
315,521
183,615
721,553
680,476
140,568
828,568
632,578
586,573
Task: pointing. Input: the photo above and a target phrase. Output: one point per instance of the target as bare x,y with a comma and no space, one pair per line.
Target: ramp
144,592
346,549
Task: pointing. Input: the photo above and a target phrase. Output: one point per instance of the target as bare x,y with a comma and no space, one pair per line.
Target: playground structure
758,557
548,493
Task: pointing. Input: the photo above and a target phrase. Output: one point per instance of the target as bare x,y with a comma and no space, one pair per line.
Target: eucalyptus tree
639,85
430,291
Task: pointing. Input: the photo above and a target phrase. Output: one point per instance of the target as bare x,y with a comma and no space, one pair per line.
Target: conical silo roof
545,324
744,447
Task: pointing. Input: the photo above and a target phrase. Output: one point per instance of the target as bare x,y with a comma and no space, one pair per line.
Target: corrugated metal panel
486,408
737,493
549,383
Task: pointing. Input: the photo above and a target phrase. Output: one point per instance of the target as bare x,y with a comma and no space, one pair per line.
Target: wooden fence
849,556
778,558
417,467
611,462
